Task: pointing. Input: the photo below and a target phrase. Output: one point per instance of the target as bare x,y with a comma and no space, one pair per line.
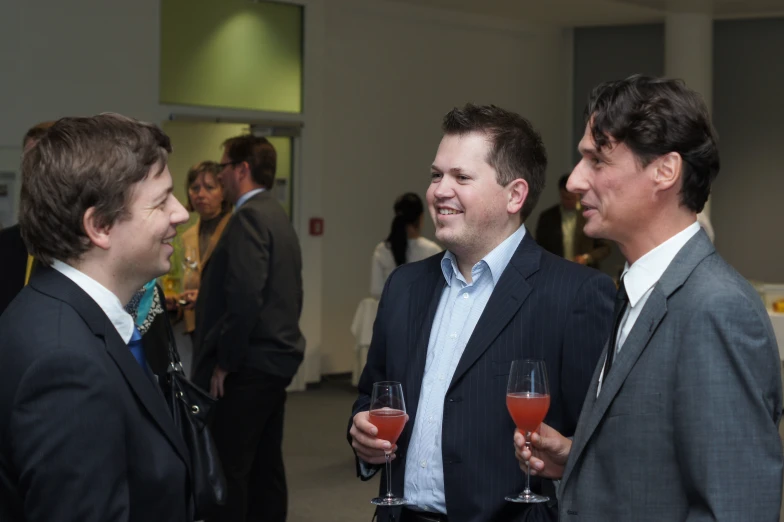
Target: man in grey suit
248,344
681,420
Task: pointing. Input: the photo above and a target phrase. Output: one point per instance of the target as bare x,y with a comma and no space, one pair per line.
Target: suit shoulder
714,281
410,272
40,322
559,265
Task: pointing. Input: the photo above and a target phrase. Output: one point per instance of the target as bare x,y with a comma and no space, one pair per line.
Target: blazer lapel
144,389
508,296
654,311
595,407
423,304
52,283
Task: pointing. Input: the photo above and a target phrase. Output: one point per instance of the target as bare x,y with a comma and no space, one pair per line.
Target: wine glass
388,415
528,399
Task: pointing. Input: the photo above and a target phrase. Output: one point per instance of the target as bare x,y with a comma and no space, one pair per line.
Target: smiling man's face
468,206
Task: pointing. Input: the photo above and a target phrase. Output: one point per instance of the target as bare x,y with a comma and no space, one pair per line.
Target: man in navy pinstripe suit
449,327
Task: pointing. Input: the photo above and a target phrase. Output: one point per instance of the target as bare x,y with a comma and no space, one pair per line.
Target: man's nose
576,181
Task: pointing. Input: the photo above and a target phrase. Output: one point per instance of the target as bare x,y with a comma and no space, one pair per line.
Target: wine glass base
528,498
389,501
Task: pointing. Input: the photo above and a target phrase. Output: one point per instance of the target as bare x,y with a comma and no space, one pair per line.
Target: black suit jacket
549,235
13,265
250,299
542,307
85,435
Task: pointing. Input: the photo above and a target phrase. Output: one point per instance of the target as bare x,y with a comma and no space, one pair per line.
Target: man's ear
517,192
98,233
668,170
245,170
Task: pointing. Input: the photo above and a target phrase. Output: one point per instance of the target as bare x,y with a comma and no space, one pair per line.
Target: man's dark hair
516,148
653,117
260,155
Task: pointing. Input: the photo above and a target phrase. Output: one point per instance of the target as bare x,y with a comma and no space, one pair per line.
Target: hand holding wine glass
528,399
546,454
388,415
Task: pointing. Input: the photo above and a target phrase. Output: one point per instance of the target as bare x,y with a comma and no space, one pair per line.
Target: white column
688,51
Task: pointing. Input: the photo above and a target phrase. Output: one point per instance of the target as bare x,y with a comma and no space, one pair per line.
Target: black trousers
247,427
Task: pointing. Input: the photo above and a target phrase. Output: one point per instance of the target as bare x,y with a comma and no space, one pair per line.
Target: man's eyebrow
165,194
453,170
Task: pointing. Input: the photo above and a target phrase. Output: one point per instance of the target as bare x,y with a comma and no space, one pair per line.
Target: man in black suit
248,344
85,434
449,327
560,231
13,252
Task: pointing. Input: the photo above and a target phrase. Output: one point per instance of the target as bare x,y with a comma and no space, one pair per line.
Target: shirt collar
496,260
245,197
646,271
109,303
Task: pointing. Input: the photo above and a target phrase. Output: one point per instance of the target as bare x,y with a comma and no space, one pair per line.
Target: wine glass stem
528,466
389,475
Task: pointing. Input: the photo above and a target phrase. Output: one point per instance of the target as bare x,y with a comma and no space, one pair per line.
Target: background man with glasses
247,344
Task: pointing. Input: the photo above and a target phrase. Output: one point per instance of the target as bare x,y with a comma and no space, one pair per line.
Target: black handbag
190,407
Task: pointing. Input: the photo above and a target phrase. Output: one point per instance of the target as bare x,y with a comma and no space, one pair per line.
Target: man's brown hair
81,163
35,133
260,155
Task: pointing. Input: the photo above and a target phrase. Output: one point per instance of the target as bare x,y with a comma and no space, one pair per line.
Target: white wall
74,58
393,72
379,77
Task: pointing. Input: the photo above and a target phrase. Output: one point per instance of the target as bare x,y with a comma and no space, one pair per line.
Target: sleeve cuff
366,470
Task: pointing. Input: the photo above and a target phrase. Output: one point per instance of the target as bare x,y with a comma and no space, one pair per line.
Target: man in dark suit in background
85,434
449,327
248,344
14,262
560,231
681,420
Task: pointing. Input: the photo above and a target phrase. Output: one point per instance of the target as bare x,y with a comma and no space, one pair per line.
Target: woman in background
404,244
205,197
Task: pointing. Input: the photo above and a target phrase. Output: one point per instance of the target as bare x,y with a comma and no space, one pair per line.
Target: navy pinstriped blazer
542,307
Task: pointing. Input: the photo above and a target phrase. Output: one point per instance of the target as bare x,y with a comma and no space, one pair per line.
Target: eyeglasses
228,163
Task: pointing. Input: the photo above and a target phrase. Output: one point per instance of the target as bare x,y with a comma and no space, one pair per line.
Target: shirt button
430,418
465,296
423,463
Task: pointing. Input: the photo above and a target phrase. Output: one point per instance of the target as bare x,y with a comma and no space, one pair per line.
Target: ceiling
604,12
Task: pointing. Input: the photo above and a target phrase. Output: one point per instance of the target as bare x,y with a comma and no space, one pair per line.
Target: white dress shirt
640,278
109,303
384,262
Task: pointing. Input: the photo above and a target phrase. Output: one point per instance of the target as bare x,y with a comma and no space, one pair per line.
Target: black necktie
621,300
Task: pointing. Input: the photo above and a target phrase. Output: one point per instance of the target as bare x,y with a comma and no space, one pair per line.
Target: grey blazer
686,424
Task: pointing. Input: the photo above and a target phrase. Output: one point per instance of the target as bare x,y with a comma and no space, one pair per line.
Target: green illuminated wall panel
231,53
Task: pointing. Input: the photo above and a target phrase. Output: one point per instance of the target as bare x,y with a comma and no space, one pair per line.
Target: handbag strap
175,363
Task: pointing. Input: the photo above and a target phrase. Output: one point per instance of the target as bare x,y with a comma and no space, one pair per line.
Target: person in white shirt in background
404,244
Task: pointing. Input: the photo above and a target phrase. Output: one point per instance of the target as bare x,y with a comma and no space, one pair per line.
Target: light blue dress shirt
459,310
245,197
